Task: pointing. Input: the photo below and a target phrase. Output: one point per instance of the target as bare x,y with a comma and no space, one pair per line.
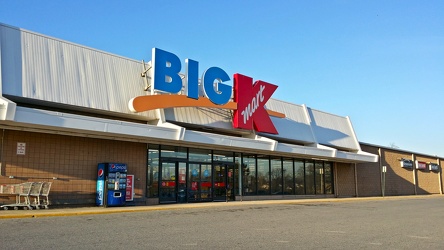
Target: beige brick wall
440,162
369,175
398,180
345,185
427,181
72,160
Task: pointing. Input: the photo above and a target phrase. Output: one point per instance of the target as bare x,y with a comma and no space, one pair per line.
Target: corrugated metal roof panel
292,111
58,71
333,130
11,63
208,117
295,126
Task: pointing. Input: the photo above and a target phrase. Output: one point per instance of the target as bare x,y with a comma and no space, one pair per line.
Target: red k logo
251,98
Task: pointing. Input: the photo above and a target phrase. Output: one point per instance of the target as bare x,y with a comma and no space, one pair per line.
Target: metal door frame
176,174
227,165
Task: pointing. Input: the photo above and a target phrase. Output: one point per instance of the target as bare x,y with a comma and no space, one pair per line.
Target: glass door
172,186
182,182
199,182
223,181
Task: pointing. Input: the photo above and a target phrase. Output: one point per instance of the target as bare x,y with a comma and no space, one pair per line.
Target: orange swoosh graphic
150,102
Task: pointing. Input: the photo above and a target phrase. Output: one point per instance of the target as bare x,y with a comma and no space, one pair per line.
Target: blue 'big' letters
166,69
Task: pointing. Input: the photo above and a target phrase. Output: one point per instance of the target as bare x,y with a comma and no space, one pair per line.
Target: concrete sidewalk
90,210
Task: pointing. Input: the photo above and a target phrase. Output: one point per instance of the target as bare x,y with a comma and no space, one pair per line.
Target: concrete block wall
369,176
427,182
69,162
345,180
398,180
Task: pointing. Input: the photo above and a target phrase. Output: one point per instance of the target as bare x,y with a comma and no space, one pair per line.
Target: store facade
185,138
179,174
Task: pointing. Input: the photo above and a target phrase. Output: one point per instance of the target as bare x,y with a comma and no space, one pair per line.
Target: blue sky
379,62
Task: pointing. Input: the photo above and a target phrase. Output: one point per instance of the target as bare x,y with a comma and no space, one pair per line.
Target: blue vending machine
114,174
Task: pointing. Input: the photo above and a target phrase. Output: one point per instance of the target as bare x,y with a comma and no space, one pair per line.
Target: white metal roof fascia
229,141
168,131
326,153
361,156
181,130
302,150
77,122
256,137
334,151
7,109
271,141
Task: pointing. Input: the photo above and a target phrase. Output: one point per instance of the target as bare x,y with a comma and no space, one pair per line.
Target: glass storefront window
276,176
193,182
152,182
287,168
206,182
328,175
249,174
223,156
263,175
241,174
299,176
199,182
319,177
237,174
199,155
173,152
309,178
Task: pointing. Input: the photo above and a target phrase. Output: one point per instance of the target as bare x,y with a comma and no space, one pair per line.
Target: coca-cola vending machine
111,184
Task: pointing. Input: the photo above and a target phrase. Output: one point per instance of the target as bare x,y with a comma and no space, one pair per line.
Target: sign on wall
406,163
21,148
421,165
434,167
212,91
129,196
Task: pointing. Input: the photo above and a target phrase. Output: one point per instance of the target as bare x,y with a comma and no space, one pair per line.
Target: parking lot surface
352,223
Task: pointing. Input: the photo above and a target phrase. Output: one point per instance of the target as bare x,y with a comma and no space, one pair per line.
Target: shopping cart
36,189
46,187
10,190
21,192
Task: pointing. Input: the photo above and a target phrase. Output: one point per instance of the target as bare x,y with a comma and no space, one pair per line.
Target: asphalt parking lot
364,223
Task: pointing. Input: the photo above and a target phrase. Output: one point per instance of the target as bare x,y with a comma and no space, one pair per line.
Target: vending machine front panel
115,175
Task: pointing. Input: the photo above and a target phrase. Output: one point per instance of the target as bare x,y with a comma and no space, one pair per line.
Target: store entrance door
200,182
173,182
223,181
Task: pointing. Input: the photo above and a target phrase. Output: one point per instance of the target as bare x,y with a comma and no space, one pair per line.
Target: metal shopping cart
36,190
9,190
21,192
46,187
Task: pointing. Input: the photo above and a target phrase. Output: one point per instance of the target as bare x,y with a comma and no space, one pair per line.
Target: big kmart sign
248,102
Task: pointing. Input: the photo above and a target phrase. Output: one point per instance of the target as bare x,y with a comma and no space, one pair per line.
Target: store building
398,172
65,108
